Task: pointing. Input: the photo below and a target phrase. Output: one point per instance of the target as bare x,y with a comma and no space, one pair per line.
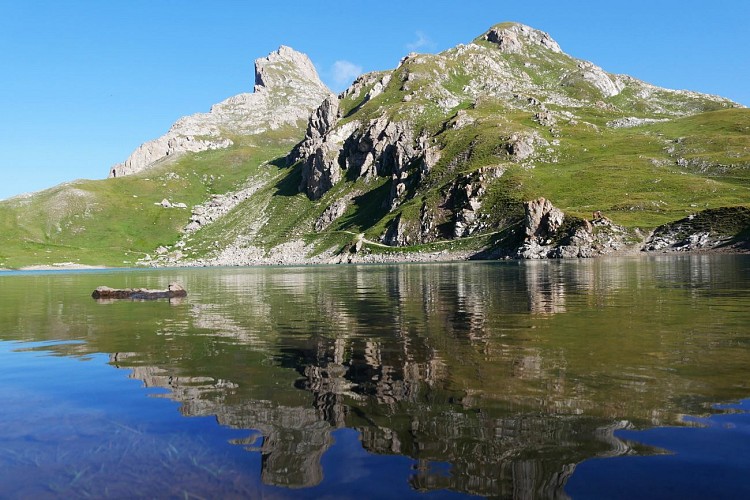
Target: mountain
503,147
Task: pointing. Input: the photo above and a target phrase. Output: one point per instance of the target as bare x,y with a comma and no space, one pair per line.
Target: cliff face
287,88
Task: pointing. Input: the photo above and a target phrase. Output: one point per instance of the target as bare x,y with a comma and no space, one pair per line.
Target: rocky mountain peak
287,89
284,67
511,38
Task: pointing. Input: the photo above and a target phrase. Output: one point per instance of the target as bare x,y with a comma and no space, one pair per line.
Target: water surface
509,379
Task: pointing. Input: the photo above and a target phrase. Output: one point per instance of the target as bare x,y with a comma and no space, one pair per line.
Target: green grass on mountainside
114,222
631,175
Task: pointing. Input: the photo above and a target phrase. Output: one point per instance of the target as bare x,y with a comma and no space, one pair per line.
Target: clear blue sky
83,83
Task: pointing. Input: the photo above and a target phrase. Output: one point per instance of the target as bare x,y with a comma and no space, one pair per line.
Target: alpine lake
604,378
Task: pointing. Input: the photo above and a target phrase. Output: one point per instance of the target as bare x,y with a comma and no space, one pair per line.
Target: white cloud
422,42
343,72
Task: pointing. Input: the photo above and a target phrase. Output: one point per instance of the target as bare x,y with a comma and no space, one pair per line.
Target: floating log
172,291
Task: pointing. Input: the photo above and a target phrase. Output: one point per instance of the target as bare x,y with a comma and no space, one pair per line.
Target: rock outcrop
287,89
706,230
381,147
319,150
549,234
632,121
334,211
599,79
218,206
397,234
542,220
465,199
520,147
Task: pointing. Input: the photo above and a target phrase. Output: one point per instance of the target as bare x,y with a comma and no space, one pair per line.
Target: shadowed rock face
287,88
381,147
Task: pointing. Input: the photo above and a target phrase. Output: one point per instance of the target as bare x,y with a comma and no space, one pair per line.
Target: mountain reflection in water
495,378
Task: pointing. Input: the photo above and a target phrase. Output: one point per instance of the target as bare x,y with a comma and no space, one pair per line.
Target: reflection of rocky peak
497,456
545,289
287,88
292,441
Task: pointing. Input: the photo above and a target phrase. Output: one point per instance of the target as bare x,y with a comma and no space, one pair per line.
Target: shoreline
443,256
65,266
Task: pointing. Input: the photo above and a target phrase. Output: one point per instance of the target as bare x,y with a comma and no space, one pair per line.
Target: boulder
172,291
545,118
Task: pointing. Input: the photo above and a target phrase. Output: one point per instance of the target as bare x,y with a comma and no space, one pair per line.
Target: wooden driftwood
172,291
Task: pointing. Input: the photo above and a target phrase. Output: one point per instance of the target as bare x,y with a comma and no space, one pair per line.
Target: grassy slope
114,222
630,175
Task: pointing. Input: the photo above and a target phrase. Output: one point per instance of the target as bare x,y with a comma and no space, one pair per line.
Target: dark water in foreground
593,379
